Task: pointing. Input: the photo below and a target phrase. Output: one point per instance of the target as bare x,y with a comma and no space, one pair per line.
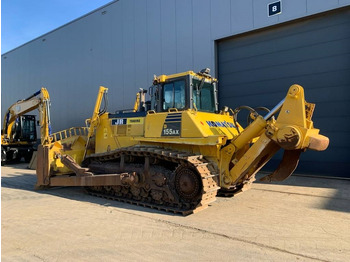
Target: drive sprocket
188,183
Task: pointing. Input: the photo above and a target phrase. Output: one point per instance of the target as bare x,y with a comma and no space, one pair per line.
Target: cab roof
164,78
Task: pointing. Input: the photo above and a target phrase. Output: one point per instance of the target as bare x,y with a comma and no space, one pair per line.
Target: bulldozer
18,133
177,150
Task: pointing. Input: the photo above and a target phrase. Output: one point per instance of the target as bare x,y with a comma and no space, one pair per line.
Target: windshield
203,96
29,129
174,95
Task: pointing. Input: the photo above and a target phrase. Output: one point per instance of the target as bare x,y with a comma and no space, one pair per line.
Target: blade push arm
93,122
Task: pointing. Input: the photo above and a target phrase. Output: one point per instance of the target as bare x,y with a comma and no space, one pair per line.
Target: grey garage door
256,69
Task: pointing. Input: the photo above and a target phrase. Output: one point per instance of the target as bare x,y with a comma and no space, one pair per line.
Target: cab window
203,96
174,95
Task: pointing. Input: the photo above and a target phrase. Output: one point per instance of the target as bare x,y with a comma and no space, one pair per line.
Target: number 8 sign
274,8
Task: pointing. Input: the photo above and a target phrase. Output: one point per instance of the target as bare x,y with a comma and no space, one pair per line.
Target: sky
25,20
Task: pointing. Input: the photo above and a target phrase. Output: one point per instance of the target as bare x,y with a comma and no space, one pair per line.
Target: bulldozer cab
189,90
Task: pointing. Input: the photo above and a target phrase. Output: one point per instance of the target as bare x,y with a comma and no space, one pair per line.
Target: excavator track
168,180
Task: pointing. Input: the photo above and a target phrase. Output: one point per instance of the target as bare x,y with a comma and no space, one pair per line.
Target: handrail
73,131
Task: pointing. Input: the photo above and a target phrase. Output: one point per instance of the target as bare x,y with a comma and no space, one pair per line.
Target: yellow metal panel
208,124
73,146
120,130
135,130
125,141
154,124
252,160
105,136
191,125
293,109
251,132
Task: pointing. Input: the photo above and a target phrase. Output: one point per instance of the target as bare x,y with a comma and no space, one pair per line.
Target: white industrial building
256,48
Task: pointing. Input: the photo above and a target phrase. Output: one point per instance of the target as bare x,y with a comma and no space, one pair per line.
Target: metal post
275,109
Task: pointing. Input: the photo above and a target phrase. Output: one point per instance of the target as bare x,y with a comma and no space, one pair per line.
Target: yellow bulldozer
176,151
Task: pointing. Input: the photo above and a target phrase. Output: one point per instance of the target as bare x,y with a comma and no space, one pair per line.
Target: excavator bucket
286,168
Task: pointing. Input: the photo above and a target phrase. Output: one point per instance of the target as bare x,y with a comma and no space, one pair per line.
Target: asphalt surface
302,219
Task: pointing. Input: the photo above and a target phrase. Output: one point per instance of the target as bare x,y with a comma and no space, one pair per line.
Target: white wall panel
344,2
124,43
314,6
203,46
128,47
184,35
142,76
241,16
116,89
154,37
220,18
168,37
292,8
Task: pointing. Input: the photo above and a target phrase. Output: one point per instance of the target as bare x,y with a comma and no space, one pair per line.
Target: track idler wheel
188,184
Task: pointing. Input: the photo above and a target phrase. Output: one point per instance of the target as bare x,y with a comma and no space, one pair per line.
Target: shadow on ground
339,201
24,179
18,180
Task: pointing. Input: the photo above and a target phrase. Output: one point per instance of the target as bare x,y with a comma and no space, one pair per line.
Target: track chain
206,172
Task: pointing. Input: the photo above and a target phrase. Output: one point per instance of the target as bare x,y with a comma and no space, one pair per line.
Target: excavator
177,151
19,135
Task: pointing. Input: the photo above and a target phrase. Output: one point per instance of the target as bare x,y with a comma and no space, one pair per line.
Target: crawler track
169,180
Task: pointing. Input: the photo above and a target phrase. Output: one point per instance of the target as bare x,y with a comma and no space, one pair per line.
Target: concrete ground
302,219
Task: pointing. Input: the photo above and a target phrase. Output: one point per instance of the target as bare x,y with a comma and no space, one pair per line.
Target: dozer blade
43,167
287,166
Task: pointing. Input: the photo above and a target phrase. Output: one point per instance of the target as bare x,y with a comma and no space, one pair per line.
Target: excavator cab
189,90
25,129
23,138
